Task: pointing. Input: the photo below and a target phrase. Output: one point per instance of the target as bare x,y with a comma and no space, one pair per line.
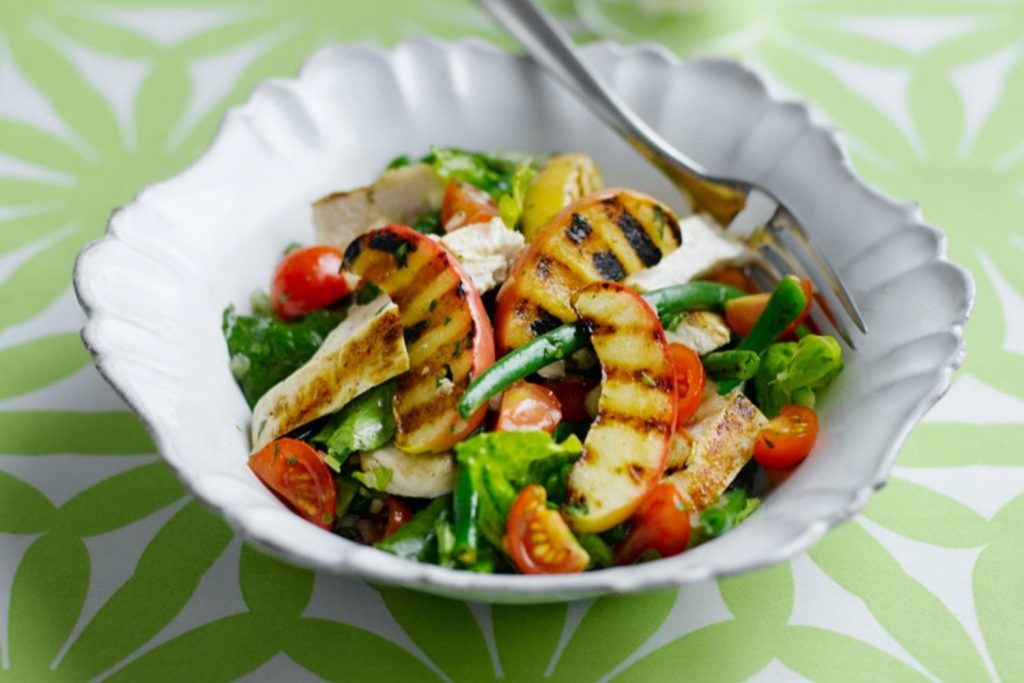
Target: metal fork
750,211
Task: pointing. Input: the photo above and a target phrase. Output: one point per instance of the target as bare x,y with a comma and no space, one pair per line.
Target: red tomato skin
307,279
571,392
661,523
475,206
528,407
690,381
741,313
399,515
529,519
786,440
297,474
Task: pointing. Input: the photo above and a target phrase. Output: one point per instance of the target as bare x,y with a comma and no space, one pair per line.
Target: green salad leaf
492,172
264,350
493,468
790,372
727,513
366,422
418,540
511,204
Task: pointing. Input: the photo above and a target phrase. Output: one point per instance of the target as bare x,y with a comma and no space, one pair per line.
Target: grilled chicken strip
365,349
400,195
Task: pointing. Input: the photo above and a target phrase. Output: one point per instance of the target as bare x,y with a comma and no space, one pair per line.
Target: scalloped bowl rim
377,566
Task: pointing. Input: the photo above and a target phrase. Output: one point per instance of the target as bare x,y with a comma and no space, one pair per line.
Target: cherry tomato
399,515
690,381
527,407
787,439
296,473
538,539
741,313
571,392
465,204
307,279
734,278
661,524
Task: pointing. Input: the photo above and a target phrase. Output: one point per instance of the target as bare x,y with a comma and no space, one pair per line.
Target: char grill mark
645,249
609,266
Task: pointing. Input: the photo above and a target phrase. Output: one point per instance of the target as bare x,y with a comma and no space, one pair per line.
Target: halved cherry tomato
527,407
307,279
465,204
296,473
690,381
571,392
741,313
538,539
399,515
735,278
661,524
787,439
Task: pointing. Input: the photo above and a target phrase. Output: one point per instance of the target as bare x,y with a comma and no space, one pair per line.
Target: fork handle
553,50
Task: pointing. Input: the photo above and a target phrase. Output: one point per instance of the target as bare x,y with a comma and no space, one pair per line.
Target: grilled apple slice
447,334
626,449
603,236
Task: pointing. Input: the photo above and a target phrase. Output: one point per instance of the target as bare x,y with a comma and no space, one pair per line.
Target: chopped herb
458,349
292,246
260,302
292,461
430,224
400,161
647,379
367,293
274,348
377,478
433,305
402,255
659,220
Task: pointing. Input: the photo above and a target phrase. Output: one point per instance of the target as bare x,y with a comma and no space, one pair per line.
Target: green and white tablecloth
108,570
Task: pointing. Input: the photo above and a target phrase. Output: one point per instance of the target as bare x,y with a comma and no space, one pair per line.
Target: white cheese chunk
427,475
702,331
486,251
705,249
713,446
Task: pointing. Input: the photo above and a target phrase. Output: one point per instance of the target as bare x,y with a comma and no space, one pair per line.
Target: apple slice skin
447,333
626,450
606,235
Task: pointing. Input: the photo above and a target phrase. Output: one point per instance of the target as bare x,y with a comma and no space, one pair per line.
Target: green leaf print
47,595
727,649
762,599
911,614
444,629
527,636
612,629
56,432
272,589
339,652
121,500
828,657
164,579
33,365
23,508
997,587
958,445
914,511
222,650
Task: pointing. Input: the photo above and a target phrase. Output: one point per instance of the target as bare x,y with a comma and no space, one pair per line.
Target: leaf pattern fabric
98,99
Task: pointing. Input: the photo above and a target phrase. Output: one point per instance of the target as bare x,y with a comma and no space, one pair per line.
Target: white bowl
155,286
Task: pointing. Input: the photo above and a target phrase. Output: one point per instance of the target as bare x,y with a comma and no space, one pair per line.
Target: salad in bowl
491,362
